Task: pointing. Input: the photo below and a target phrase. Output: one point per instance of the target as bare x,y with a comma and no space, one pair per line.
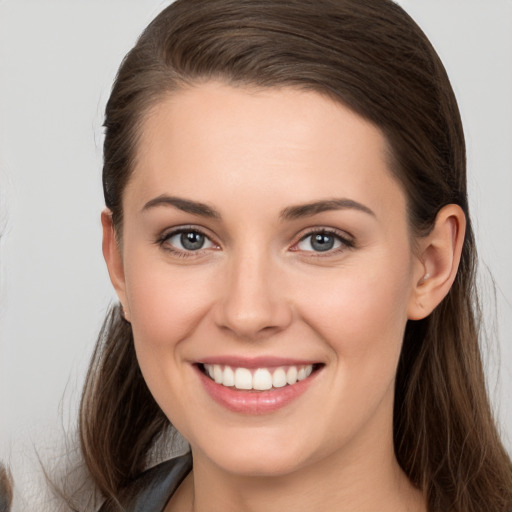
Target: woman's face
265,238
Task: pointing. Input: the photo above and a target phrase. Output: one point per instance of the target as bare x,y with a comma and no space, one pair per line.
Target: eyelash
345,242
163,240
341,237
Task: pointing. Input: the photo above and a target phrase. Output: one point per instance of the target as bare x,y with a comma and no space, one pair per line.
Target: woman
288,233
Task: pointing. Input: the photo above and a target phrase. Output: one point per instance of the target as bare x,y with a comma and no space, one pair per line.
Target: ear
438,260
113,258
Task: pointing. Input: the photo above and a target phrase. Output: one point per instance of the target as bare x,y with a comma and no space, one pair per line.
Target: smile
256,386
259,379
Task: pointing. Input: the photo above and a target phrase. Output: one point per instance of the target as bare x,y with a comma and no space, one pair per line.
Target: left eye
320,242
189,240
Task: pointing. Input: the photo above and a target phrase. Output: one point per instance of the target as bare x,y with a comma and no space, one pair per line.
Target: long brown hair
372,57
5,489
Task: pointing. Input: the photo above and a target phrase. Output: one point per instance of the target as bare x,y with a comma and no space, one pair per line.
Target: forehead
273,143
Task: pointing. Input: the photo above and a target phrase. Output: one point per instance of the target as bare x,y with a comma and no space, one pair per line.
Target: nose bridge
254,300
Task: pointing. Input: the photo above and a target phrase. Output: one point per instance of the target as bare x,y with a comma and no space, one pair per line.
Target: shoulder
152,489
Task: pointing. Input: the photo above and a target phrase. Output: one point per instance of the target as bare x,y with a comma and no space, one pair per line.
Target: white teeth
229,377
260,379
243,378
279,378
291,375
218,374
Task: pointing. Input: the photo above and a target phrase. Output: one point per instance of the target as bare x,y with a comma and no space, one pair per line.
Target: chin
265,458
262,466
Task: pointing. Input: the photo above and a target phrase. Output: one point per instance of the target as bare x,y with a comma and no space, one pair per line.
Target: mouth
256,386
258,379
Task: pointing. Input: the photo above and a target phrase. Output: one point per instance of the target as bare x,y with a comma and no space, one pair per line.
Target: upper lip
255,362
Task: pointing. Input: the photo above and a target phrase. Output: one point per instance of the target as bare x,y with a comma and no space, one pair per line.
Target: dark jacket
152,490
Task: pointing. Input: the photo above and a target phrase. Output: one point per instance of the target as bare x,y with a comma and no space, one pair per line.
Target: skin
257,288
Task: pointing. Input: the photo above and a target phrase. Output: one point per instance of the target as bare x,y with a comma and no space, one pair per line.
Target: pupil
322,242
192,241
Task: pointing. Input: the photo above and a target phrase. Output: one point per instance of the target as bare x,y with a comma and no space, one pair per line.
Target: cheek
166,301
361,310
360,315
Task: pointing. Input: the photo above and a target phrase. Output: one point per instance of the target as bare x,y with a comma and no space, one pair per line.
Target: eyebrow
310,209
289,213
193,207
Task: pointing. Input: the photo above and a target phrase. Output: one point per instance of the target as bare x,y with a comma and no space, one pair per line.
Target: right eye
186,240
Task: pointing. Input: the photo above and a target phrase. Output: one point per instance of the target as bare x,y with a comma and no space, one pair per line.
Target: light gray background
57,63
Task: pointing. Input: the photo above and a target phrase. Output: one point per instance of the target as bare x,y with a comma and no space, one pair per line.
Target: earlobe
438,261
113,257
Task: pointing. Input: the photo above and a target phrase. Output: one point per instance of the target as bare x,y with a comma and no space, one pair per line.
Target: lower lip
255,402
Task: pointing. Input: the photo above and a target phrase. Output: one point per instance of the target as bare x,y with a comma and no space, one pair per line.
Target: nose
253,302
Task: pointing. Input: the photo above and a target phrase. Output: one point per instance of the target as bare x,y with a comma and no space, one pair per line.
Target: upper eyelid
182,229
343,235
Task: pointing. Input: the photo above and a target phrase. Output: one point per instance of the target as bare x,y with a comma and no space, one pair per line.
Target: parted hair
370,56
